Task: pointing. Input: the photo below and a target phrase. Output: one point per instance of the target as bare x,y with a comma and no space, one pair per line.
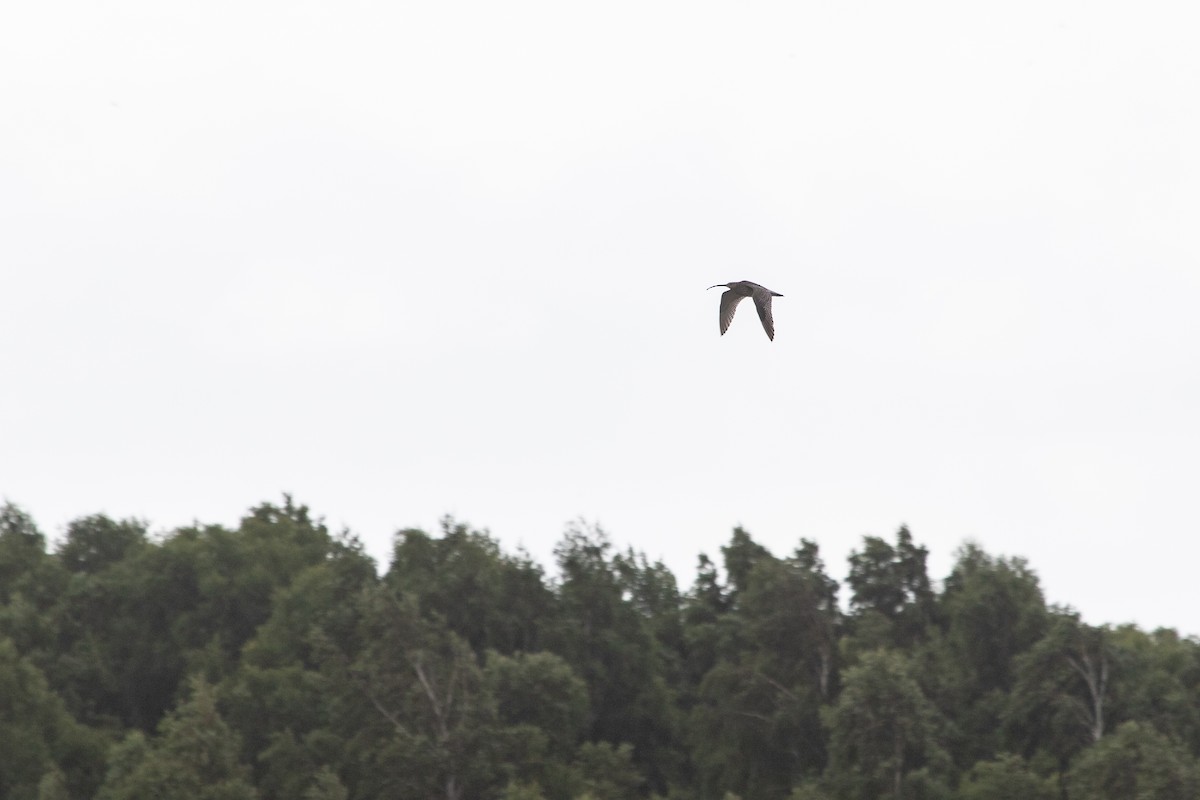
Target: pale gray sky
410,259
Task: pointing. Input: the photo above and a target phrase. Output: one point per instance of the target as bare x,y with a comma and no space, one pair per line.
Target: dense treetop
273,660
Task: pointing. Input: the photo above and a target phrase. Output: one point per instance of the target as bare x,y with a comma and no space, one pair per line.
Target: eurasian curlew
739,290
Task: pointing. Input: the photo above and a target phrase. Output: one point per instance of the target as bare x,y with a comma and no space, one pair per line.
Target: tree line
273,660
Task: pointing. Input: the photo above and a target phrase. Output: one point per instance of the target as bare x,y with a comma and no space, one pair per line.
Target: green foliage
708,629
882,727
810,790
611,644
756,725
523,791
30,583
493,601
543,711
1062,697
792,614
194,756
1007,777
53,786
22,550
136,617
96,542
607,772
1135,762
281,698
741,555
891,583
1164,689
42,745
993,611
542,691
468,672
413,711
326,786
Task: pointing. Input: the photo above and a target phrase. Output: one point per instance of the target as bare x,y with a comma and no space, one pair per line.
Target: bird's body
738,291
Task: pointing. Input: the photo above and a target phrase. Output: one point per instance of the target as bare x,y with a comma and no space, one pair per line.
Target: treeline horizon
275,659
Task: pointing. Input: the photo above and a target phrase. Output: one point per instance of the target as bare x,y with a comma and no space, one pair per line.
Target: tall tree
792,611
1005,778
1134,762
194,757
280,699
890,591
542,707
652,591
993,611
612,646
882,729
1062,693
756,727
136,618
741,555
1158,681
709,630
22,551
493,600
608,772
713,631
326,785
96,542
92,622
540,690
30,584
233,575
38,738
412,706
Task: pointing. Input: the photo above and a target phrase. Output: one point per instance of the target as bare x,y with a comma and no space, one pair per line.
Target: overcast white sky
412,259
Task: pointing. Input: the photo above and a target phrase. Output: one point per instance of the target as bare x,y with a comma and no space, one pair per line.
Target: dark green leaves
272,661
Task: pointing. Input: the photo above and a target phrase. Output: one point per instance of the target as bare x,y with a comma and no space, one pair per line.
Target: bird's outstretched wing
762,301
729,302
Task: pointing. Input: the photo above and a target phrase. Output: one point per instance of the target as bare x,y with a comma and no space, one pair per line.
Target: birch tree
882,729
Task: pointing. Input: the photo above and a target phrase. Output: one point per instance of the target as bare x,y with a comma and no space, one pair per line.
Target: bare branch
438,710
752,715
389,716
778,686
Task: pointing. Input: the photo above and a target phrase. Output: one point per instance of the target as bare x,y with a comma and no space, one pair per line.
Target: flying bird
738,291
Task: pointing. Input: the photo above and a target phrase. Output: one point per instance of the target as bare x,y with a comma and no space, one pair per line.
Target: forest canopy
277,660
